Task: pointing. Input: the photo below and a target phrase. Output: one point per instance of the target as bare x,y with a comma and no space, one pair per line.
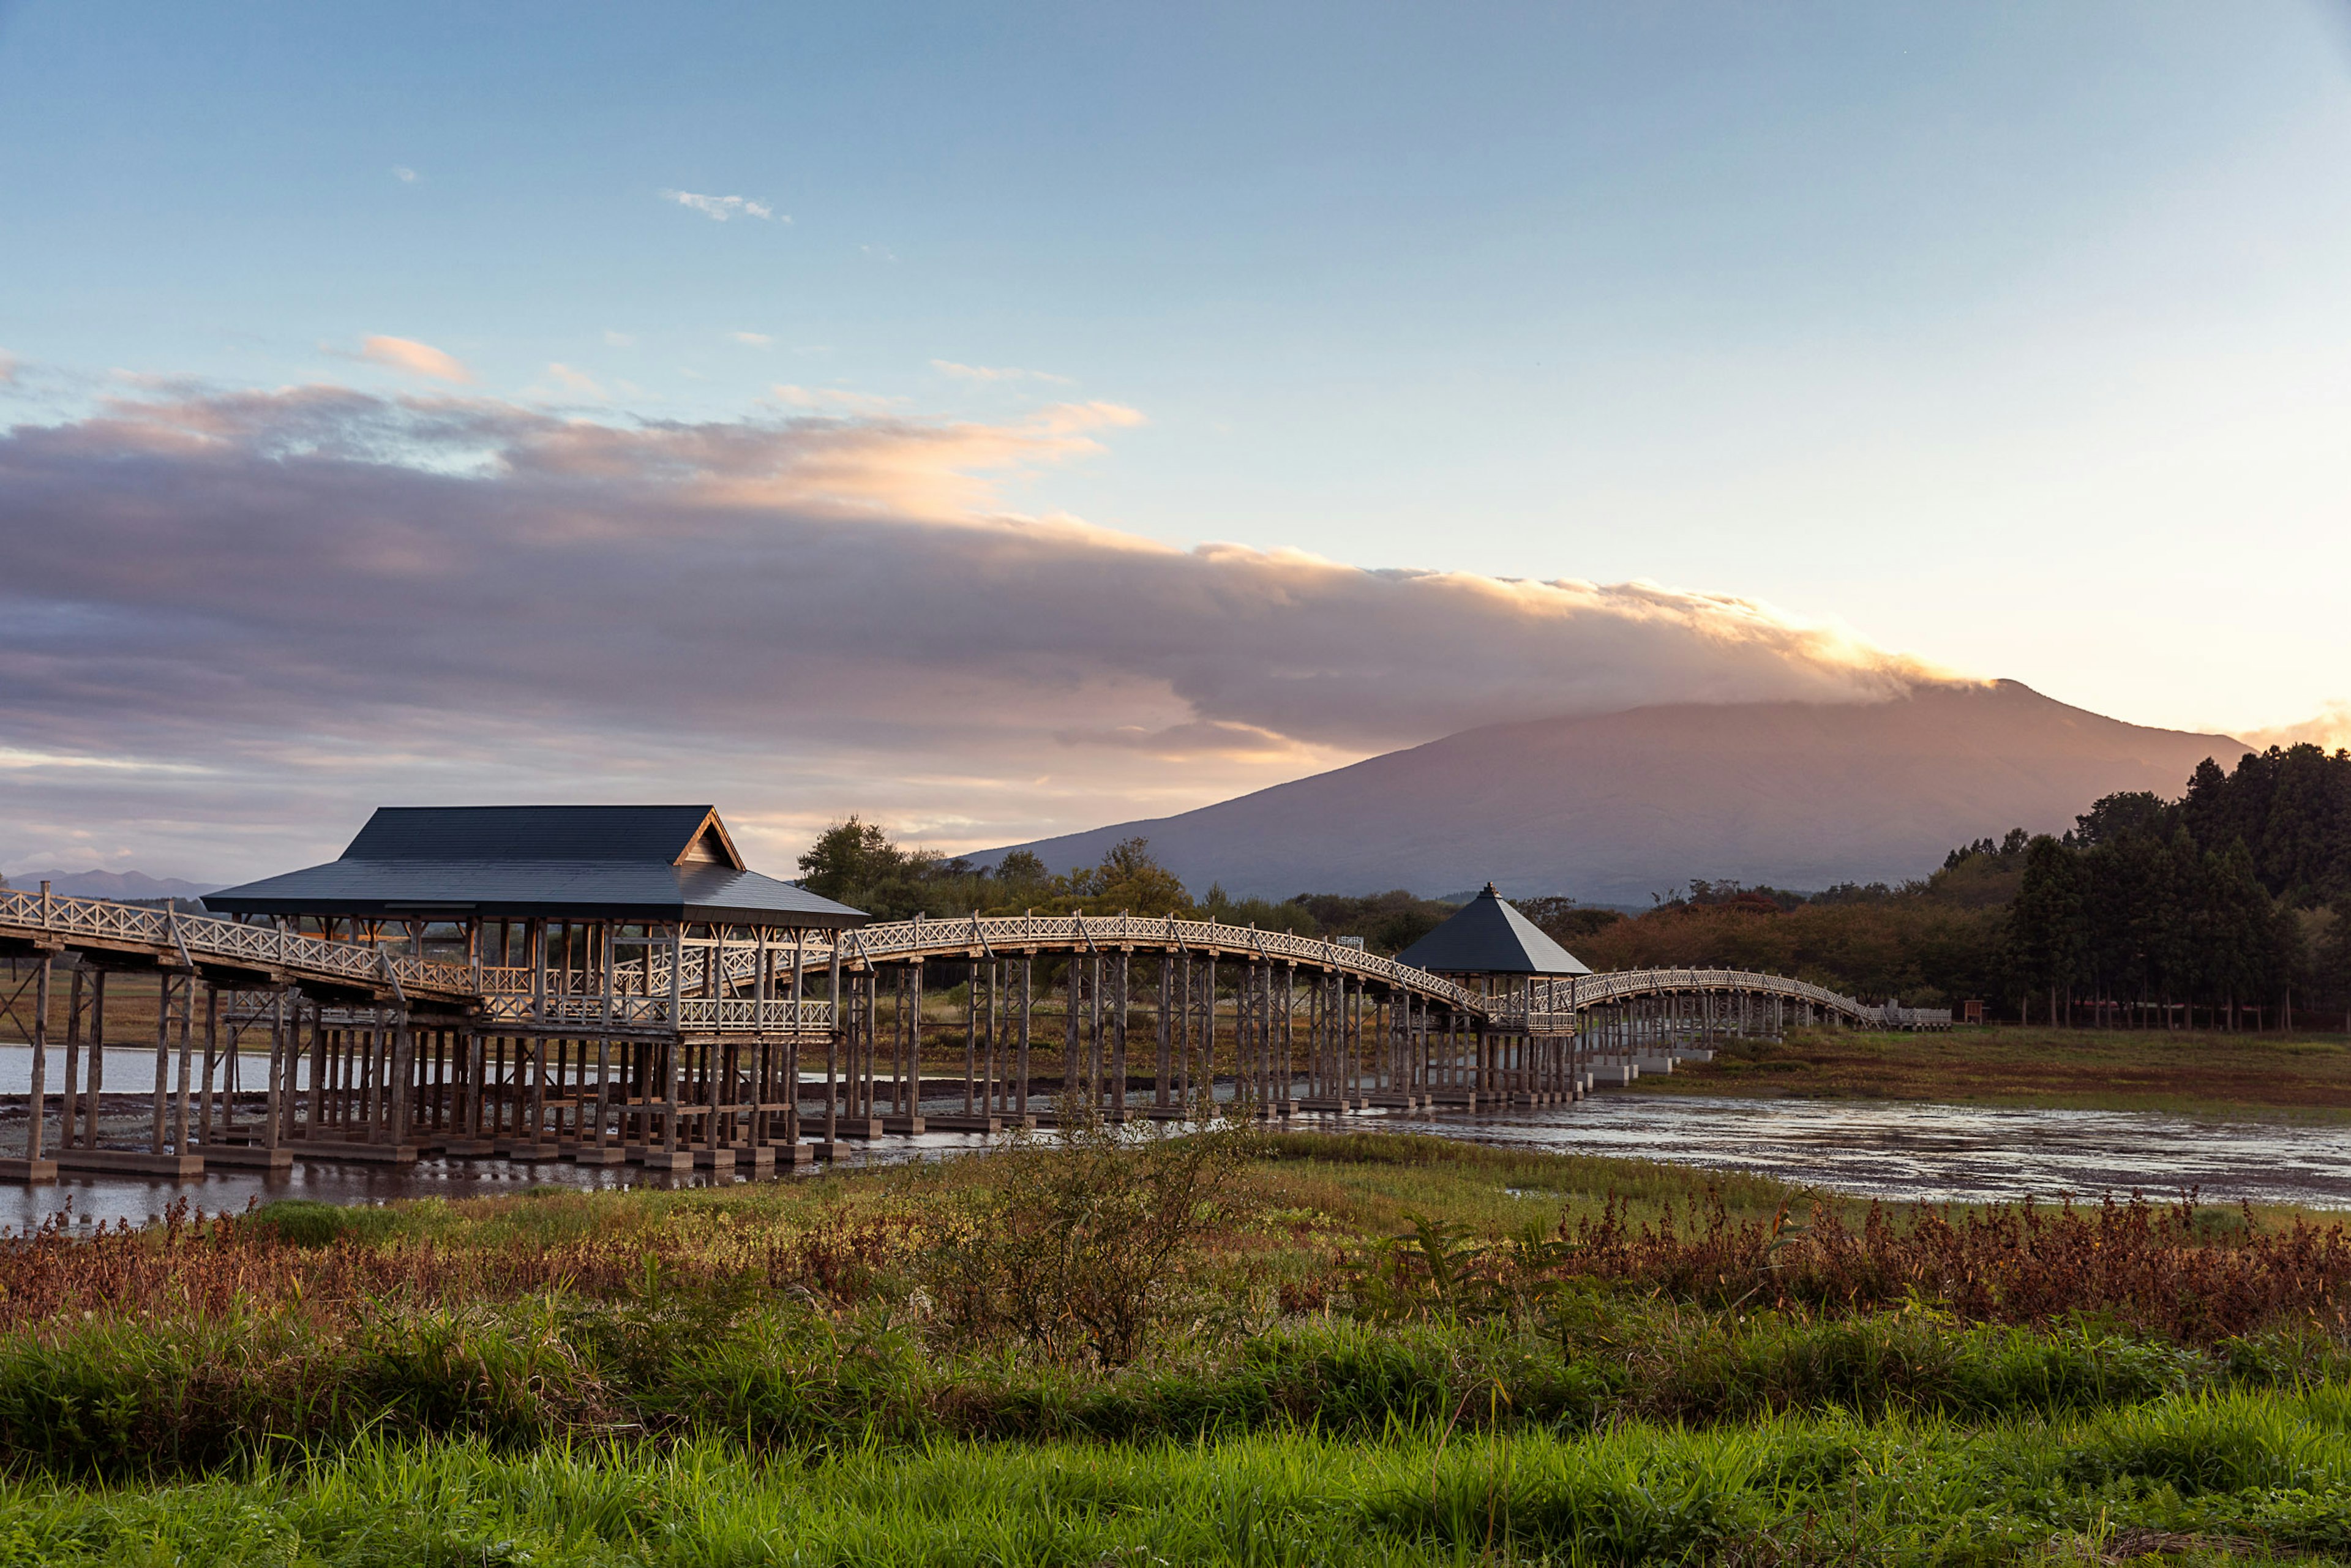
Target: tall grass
824,1318
2233,1472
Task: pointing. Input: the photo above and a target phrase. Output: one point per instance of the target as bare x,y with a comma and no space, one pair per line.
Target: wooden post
970,1036
831,1053
37,1103
1118,1040
281,1059
187,1043
70,1111
1028,977
671,1085
162,1060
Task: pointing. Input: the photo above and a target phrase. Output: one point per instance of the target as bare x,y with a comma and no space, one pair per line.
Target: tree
1127,881
1564,921
848,857
2331,957
2114,816
1022,868
2044,923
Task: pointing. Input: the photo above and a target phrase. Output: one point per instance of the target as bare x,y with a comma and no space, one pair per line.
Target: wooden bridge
718,1045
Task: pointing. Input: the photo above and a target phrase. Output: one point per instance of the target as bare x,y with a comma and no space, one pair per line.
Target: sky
1005,420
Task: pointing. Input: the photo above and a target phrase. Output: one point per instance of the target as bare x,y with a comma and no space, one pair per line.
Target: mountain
1609,810
119,884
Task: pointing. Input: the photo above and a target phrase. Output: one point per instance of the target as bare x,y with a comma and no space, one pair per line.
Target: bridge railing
729,1014
505,995
1549,1006
208,937
896,940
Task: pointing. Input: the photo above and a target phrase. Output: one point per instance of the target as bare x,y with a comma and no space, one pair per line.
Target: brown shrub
2164,1269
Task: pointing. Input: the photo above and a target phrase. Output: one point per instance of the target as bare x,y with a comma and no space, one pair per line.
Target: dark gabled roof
665,835
1487,936
578,863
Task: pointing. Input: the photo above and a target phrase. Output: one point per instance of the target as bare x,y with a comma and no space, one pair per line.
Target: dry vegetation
2192,1073
1232,1348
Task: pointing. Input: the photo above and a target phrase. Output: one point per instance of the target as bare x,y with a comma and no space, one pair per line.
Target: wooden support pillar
161,1102
971,1101
1118,1035
841,1014
37,1118
1027,974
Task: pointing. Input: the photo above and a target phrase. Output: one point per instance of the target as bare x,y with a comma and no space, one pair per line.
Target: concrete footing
138,1161
336,1152
247,1156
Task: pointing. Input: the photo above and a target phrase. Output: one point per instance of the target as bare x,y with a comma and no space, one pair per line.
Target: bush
1074,1244
306,1222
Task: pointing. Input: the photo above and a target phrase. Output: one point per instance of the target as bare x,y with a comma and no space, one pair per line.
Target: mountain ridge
121,886
1615,808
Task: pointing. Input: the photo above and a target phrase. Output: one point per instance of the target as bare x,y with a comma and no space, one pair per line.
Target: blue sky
2013,338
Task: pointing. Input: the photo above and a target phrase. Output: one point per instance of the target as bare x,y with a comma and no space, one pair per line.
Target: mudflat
2202,1073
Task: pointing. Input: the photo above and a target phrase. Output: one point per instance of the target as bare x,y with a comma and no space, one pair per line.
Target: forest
2225,907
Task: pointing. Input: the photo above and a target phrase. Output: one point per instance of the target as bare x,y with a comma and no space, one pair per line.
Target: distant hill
1609,810
121,884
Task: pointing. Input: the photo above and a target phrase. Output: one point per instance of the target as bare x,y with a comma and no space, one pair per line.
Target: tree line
856,863
2225,906
2230,904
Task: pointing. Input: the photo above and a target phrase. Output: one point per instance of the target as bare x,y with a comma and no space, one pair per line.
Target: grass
2193,1477
1369,1350
2259,1076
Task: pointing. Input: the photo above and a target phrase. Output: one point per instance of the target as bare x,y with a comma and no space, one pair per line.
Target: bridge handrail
271,947
202,936
887,940
1555,998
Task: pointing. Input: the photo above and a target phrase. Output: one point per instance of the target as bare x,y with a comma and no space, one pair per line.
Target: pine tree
2044,923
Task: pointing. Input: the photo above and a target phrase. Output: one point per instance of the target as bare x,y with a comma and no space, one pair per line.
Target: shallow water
1904,1151
1939,1152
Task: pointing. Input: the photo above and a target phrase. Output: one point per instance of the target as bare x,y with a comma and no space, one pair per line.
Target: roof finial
1493,892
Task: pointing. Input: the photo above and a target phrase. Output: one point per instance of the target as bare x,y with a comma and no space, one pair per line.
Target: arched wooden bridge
722,1046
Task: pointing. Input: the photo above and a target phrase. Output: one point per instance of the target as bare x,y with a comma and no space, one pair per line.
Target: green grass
664,1377
2271,1474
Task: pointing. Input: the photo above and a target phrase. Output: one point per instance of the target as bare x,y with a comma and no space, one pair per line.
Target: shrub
1074,1244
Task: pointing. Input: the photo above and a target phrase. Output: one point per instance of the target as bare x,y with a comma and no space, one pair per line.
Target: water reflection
1901,1151
1941,1153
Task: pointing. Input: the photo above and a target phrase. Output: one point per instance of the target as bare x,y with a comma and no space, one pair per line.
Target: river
1875,1148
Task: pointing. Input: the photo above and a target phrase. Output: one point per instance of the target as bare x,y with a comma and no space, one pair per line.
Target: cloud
618,339
415,359
576,382
2330,731
404,174
757,339
327,599
719,209
838,399
996,374
8,369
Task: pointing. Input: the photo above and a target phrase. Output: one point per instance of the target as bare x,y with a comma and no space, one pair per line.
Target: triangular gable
710,846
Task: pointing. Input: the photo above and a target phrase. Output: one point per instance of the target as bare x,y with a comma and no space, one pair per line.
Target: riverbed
1905,1151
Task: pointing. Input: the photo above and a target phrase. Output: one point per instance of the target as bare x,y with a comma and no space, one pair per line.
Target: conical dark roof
1487,936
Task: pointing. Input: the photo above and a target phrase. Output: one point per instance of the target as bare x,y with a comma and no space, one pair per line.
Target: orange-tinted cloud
415,359
325,599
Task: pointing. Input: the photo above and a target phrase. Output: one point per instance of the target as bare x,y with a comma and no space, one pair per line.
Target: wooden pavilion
1526,1054
640,993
